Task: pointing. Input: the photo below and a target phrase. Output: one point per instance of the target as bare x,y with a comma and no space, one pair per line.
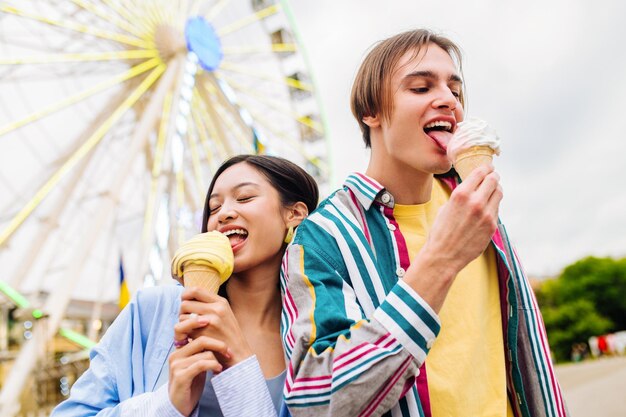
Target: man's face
426,108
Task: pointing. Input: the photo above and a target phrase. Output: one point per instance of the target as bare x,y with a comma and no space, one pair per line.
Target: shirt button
385,198
430,343
391,227
400,272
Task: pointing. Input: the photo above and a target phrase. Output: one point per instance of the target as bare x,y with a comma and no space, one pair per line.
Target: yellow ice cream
206,260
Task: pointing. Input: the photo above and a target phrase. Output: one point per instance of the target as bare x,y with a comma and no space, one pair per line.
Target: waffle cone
471,159
201,276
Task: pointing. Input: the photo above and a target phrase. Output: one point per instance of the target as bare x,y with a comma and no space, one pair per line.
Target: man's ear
296,213
372,121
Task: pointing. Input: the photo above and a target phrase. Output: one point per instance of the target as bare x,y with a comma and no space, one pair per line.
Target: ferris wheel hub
204,42
169,41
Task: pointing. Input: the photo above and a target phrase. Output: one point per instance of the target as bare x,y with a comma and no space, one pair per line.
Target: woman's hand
206,314
188,366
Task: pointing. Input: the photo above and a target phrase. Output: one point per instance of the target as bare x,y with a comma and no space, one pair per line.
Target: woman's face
247,208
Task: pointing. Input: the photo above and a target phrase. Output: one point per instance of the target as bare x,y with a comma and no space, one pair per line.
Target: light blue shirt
129,369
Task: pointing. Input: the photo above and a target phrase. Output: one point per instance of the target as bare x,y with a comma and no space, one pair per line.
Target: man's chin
443,170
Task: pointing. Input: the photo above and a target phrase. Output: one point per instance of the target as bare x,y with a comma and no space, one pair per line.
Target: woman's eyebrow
236,187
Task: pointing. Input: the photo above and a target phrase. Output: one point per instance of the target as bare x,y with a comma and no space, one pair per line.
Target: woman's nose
226,212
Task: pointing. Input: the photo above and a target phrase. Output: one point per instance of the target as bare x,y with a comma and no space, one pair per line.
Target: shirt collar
367,190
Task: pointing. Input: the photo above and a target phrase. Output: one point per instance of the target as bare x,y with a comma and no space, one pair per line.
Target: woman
234,364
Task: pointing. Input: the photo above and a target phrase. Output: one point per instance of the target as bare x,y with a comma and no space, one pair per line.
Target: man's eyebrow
429,74
240,185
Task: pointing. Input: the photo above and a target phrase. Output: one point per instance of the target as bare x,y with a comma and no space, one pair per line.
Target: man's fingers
494,200
476,177
488,186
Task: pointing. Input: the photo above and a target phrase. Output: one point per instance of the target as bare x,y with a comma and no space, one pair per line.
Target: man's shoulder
336,204
330,221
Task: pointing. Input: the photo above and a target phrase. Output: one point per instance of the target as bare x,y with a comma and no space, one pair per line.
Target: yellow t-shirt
465,368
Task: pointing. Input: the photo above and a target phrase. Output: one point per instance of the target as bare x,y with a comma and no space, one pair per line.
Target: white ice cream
470,133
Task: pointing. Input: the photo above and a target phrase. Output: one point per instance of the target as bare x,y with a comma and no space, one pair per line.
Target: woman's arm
126,362
97,391
242,391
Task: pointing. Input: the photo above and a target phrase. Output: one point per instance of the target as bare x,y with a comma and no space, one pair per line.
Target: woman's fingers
187,367
199,294
188,323
201,344
202,307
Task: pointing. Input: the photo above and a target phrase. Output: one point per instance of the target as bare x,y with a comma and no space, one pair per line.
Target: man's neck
407,185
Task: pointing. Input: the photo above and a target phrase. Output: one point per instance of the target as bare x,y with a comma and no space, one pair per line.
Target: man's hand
460,233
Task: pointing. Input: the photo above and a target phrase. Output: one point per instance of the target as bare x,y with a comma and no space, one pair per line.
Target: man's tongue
441,137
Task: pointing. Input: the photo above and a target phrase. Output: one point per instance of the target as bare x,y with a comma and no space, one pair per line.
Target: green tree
571,323
587,299
602,281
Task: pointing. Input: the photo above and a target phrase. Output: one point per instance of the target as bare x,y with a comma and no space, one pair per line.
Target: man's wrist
431,275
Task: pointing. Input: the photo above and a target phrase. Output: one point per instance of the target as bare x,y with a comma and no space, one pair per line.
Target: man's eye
420,90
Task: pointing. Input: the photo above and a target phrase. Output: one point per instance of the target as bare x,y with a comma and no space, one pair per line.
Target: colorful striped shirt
356,335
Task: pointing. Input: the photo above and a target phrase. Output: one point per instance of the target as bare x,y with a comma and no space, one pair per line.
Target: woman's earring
289,236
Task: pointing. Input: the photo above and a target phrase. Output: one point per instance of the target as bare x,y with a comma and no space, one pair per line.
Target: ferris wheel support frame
159,181
58,300
50,223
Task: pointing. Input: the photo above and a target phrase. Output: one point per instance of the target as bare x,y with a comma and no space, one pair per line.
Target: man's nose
445,99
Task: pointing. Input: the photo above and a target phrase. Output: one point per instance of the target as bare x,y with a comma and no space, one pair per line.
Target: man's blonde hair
371,91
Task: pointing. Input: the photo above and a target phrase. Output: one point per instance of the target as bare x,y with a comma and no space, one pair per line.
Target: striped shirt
356,335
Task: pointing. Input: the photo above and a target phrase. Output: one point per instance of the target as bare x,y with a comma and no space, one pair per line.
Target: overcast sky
548,75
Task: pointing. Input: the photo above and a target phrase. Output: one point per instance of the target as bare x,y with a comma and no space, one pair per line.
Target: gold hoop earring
289,236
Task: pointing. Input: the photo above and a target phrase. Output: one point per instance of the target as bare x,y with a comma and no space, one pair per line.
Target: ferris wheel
113,116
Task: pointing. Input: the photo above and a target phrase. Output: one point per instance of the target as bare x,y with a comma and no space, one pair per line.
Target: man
401,293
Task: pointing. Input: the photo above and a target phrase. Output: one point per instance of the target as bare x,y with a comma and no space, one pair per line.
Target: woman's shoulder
159,297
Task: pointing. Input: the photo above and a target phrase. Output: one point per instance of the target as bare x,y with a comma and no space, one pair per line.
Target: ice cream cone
471,159
202,276
205,261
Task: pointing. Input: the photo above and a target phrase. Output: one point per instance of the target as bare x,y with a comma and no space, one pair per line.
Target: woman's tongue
441,137
236,238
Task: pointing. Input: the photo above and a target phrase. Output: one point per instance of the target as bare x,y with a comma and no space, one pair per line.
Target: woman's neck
255,298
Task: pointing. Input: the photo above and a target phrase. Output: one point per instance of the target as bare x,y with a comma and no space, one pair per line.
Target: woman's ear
296,213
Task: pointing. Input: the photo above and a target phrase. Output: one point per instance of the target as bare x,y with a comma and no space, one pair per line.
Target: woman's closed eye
244,199
214,209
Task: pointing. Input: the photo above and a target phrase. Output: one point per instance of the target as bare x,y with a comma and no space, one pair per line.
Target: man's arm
341,362
339,358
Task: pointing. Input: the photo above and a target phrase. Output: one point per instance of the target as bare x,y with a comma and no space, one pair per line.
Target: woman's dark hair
292,182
